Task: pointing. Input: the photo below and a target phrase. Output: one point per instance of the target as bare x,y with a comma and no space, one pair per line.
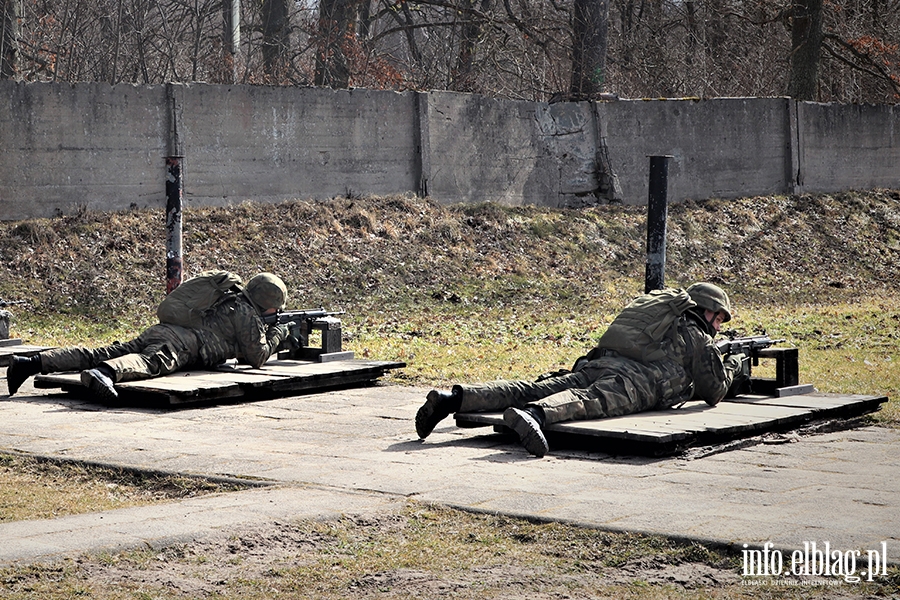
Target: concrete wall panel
65,146
720,148
511,152
849,146
277,143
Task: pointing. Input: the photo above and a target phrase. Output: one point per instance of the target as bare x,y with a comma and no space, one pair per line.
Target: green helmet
266,291
710,297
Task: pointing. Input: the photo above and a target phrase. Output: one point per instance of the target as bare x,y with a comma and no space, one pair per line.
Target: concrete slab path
354,451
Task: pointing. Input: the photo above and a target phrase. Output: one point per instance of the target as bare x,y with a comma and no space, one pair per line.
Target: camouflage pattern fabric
613,385
233,330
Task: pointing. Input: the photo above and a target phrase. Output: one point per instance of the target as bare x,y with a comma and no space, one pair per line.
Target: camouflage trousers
159,350
607,387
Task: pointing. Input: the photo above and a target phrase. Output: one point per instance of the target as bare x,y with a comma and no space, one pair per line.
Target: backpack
637,332
186,304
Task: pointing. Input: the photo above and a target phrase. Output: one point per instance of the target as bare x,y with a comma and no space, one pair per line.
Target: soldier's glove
282,331
739,365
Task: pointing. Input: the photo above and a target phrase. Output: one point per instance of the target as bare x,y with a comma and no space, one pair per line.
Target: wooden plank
811,401
232,381
659,432
174,389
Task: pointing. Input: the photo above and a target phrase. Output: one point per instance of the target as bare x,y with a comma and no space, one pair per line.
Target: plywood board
15,346
234,382
666,431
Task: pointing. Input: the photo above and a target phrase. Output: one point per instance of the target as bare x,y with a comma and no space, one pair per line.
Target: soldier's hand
739,364
283,330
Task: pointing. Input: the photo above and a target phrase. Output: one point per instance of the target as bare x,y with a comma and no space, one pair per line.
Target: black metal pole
657,213
174,199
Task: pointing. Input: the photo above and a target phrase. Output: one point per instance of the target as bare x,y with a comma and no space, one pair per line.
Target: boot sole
94,384
528,430
425,421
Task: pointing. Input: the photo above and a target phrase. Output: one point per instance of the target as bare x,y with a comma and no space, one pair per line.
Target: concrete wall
482,149
848,147
275,143
63,146
722,148
66,146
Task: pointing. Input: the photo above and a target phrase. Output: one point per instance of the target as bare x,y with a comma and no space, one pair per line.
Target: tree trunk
276,37
806,48
590,21
336,29
231,38
9,38
464,76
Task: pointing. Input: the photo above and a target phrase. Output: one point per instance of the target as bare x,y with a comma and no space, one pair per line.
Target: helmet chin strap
700,315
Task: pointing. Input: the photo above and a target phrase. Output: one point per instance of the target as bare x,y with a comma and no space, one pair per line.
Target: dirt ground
267,554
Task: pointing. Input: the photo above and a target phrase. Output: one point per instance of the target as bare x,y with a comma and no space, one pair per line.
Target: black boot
527,423
21,368
100,381
437,407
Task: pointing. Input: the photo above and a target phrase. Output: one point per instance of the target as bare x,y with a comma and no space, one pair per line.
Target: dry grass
421,552
33,488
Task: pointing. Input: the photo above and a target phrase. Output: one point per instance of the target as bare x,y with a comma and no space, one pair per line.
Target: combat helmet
711,297
266,291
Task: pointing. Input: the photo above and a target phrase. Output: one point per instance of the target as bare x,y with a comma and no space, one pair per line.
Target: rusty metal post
657,214
174,189
174,200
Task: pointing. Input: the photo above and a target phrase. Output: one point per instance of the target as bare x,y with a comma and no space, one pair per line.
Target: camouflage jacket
234,329
694,366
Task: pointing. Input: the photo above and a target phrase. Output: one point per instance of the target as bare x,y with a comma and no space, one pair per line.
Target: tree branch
875,69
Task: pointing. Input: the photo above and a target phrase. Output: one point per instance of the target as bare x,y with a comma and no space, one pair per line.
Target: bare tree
276,38
590,24
9,38
336,30
806,48
463,76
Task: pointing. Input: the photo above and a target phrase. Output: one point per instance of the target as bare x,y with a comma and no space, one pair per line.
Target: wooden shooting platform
766,405
665,432
233,382
302,369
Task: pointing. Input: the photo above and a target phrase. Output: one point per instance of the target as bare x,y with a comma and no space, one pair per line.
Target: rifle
301,323
751,347
748,346
296,316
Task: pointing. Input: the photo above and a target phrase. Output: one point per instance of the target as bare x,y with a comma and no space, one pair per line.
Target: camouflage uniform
233,329
614,385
